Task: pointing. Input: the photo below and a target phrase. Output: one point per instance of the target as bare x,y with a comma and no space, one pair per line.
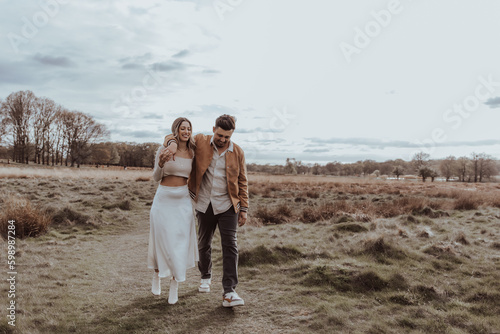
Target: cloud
318,150
208,71
181,54
138,10
211,110
381,144
136,134
168,66
493,102
259,129
152,116
53,61
132,66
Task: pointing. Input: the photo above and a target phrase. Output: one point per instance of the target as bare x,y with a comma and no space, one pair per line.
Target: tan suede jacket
236,170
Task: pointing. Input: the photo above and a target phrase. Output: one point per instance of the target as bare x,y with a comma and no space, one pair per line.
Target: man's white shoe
205,285
156,285
231,299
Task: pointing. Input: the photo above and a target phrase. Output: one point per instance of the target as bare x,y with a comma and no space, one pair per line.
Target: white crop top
179,167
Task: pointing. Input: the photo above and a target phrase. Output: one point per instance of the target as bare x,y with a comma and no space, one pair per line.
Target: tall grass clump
263,255
277,215
467,202
69,216
29,220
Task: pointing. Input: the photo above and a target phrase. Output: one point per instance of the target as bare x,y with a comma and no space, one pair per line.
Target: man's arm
243,191
171,143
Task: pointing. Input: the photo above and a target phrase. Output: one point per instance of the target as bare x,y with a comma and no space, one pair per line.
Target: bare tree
462,167
398,170
420,160
448,167
17,111
80,130
486,166
44,114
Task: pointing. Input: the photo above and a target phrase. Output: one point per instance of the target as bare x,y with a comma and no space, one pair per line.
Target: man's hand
242,218
165,155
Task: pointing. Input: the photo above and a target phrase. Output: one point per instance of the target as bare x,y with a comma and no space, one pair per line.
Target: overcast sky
316,80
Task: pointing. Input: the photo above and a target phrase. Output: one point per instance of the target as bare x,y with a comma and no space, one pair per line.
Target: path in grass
100,284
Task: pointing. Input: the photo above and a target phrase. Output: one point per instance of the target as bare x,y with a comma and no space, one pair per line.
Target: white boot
172,293
156,286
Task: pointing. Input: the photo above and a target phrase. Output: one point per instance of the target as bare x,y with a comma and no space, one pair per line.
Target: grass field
318,255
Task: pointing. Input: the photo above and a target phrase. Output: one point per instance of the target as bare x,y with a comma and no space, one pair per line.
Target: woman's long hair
175,131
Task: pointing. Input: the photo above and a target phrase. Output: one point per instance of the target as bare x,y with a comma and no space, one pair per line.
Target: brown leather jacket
236,170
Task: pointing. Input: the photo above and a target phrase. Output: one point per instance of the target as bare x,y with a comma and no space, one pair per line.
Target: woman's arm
158,171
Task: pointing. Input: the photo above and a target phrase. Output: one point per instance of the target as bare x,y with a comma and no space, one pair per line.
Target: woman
172,237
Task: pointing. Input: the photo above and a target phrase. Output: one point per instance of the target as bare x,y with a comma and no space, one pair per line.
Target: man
219,186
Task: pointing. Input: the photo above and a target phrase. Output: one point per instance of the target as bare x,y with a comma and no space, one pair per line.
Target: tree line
39,130
475,168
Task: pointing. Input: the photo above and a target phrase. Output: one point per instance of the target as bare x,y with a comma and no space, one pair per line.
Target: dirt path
100,284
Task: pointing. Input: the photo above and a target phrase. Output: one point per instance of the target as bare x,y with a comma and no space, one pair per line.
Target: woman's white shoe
172,293
156,285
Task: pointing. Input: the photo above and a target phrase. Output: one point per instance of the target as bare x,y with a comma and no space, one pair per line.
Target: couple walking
211,170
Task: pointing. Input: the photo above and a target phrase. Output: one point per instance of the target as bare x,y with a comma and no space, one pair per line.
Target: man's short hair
226,122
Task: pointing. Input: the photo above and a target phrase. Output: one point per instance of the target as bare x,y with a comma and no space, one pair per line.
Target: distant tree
386,167
426,172
17,112
398,170
447,167
462,167
291,166
101,153
369,166
80,130
420,160
44,113
316,169
486,167
333,168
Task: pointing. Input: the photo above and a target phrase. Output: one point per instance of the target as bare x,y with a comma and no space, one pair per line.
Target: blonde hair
175,131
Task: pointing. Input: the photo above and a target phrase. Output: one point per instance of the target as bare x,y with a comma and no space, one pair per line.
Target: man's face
222,137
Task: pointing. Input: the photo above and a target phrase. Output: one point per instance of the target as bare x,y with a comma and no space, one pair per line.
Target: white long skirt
172,235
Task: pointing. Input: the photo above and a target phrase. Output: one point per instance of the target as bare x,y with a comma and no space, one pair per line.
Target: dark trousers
228,225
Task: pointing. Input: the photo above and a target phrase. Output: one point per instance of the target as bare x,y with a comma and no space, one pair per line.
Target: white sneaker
172,293
156,286
205,285
231,299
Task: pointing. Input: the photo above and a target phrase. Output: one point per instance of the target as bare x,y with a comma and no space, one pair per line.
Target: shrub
466,203
30,220
310,215
312,194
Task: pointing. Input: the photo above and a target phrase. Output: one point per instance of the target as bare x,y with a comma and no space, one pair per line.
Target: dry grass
30,220
374,257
